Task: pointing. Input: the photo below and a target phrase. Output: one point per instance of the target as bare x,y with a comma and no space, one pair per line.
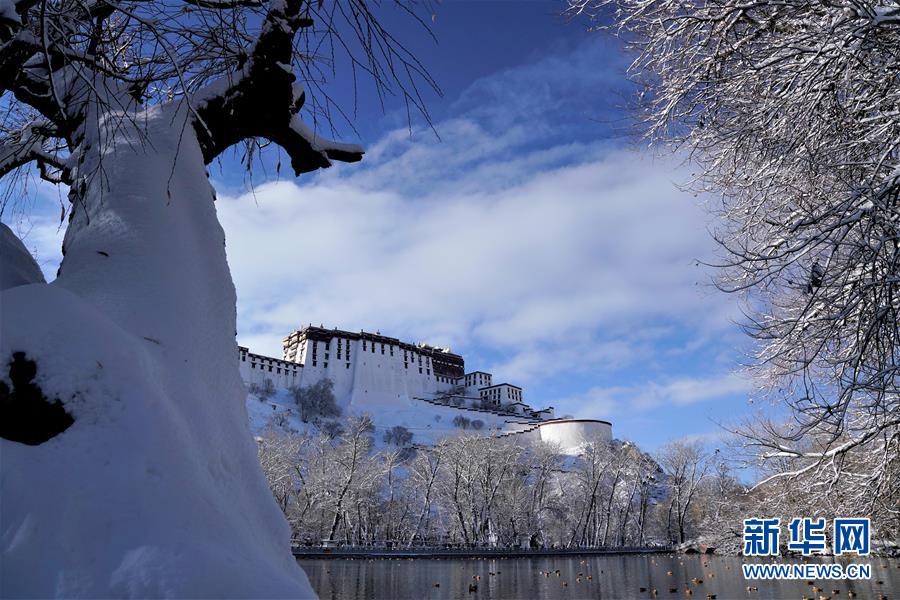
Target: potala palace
419,386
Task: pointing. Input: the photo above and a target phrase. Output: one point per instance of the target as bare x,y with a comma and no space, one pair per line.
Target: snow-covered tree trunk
128,466
155,489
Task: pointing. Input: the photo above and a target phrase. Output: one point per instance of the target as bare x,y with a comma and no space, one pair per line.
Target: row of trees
627,497
478,490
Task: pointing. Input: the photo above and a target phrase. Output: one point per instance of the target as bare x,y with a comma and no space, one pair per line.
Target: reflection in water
578,577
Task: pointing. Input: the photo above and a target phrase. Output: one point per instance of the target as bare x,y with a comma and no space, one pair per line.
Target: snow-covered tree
483,491
153,489
724,504
590,474
278,456
789,113
685,466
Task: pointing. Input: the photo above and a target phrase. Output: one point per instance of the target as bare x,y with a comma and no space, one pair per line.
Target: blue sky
533,236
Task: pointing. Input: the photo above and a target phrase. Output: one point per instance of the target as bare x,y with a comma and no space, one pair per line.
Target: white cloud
545,266
678,392
515,236
42,236
706,438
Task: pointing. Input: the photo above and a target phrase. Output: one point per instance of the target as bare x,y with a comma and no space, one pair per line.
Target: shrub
332,429
316,401
262,391
461,422
398,436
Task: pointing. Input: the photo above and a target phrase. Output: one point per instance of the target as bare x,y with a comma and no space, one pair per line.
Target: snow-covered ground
426,421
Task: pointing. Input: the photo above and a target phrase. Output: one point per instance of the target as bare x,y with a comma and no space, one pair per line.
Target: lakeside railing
348,551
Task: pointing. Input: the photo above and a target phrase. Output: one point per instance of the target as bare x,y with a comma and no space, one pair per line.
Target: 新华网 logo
762,537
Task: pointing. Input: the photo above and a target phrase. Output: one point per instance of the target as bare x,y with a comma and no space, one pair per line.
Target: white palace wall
374,376
571,434
255,369
370,376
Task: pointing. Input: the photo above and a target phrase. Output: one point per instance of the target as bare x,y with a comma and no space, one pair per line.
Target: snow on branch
308,151
330,148
789,114
28,145
225,4
262,99
238,73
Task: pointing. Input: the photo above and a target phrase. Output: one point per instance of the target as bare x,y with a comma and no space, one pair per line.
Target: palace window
325,365
348,365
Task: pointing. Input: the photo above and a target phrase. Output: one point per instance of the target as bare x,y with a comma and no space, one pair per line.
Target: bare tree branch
28,145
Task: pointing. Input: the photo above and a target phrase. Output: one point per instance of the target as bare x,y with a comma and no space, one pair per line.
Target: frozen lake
600,577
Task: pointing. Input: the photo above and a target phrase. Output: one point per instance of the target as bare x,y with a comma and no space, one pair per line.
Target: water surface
579,577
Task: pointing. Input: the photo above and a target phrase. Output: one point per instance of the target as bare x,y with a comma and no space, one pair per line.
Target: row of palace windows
263,360
390,347
366,346
277,371
496,393
325,364
340,348
407,358
478,379
493,393
427,371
